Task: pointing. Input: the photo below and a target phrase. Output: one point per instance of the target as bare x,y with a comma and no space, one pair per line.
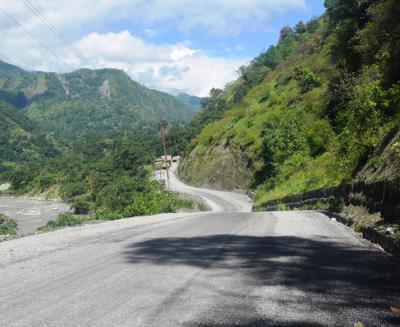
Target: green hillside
308,112
88,101
20,141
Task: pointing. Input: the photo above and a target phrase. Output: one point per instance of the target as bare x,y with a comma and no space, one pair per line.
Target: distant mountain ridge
87,101
191,101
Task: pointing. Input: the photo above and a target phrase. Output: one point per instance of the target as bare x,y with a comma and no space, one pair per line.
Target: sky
169,45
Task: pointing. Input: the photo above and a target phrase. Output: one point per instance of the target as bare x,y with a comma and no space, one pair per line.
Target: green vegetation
104,177
307,113
20,140
7,225
63,220
85,137
99,102
190,101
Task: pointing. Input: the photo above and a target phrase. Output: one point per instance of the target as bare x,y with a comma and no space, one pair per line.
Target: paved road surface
31,214
199,269
218,201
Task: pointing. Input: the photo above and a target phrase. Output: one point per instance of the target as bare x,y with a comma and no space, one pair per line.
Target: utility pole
162,126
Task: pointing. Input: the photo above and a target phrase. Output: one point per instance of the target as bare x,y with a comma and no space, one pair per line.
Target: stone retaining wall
383,197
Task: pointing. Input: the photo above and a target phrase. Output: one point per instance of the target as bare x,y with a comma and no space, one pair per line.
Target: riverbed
30,213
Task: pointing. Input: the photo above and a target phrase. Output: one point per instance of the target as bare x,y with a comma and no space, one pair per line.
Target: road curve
218,201
199,269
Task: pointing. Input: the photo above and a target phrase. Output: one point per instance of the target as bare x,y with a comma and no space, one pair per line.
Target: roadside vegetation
7,226
64,220
106,178
308,113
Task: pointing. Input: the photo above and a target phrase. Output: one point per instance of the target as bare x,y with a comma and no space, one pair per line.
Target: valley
132,196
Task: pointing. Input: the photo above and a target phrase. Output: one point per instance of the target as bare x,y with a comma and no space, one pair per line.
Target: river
29,213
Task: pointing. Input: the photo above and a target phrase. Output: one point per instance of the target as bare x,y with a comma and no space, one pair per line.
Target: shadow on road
329,276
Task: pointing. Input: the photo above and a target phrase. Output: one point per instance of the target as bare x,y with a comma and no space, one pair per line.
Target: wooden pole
163,124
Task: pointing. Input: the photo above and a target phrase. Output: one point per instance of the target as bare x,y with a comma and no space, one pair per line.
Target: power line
34,38
8,59
79,54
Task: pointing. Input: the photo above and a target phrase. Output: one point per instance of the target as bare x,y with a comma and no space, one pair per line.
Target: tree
300,27
130,157
285,32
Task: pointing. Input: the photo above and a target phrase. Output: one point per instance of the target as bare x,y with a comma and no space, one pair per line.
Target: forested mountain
85,137
88,101
307,113
101,174
20,141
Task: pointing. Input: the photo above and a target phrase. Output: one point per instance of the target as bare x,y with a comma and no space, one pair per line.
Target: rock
389,231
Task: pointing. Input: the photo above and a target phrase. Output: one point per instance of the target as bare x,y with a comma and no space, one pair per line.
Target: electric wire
78,53
35,38
8,59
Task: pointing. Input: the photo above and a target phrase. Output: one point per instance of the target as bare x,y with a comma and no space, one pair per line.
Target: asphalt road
200,269
30,213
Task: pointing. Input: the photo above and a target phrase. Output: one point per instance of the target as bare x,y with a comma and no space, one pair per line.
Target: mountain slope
190,100
308,112
20,141
88,101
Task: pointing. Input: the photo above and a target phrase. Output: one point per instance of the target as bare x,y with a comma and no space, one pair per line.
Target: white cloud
166,67
221,17
161,66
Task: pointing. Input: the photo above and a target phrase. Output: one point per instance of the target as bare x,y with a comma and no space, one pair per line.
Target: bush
129,196
202,206
63,220
81,205
72,189
7,226
46,180
120,193
20,177
396,150
307,79
281,207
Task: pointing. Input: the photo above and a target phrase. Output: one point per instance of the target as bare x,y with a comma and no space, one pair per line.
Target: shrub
63,220
20,177
337,204
46,180
307,79
202,206
281,207
81,205
72,189
7,226
396,150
